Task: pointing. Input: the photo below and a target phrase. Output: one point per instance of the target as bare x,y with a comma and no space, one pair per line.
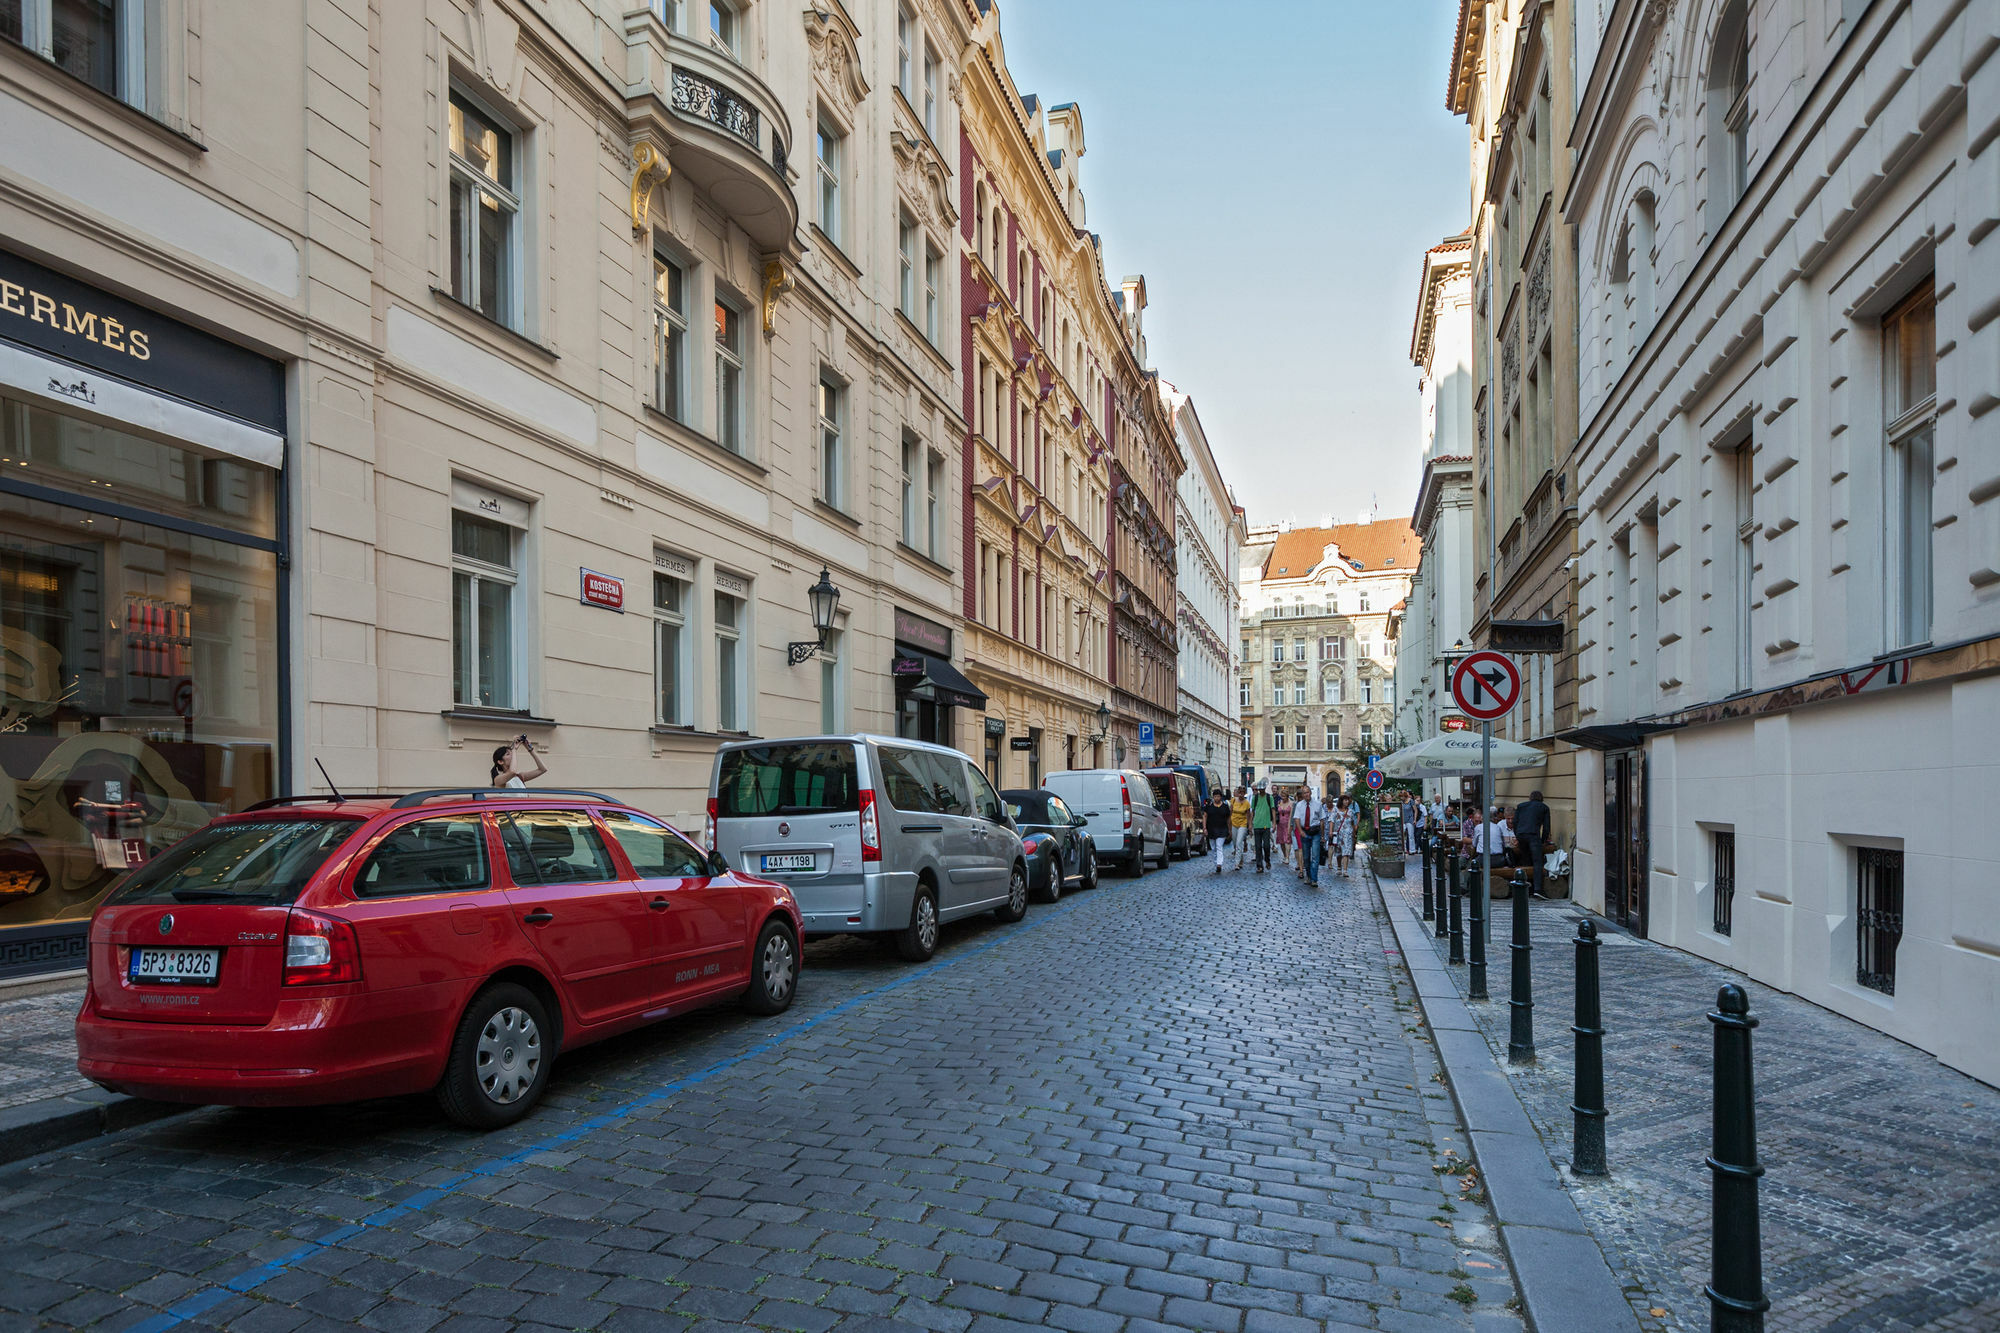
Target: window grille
1878,917
1725,881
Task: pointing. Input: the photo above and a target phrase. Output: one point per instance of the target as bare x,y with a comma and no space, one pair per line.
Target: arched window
979,221
993,264
1729,112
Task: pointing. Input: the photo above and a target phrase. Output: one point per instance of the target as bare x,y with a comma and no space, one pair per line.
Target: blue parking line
200,1302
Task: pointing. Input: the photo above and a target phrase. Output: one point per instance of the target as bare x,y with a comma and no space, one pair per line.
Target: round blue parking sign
1374,779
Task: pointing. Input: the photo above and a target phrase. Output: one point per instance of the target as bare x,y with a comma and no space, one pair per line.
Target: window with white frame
485,212
906,53
1367,690
911,449
832,687
483,613
1729,109
1742,483
906,266
670,329
830,146
934,507
1909,409
1333,735
1299,691
673,646
1367,735
731,674
1246,740
832,449
1277,738
933,286
1277,652
725,26
1298,650
102,42
1278,695
729,432
1299,738
1329,689
1242,694
931,80
1361,599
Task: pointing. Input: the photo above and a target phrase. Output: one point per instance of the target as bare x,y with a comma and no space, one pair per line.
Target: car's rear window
263,861
808,779
1159,786
1026,807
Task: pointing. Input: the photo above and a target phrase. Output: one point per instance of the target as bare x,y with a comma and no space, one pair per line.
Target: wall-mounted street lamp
825,600
1103,721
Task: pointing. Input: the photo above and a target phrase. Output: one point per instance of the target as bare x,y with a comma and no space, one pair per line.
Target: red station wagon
315,950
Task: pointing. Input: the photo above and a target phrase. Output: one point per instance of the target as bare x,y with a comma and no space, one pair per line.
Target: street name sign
1526,636
1486,685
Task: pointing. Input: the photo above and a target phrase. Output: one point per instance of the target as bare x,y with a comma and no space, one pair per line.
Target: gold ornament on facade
777,281
651,170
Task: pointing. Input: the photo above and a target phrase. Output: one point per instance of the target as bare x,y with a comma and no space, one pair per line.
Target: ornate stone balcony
724,129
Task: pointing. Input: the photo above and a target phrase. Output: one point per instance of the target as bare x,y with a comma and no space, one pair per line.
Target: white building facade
1788,486
1438,613
1208,540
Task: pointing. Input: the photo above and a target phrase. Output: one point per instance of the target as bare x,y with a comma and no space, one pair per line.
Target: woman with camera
507,772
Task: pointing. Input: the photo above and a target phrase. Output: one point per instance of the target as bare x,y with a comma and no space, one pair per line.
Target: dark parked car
1060,850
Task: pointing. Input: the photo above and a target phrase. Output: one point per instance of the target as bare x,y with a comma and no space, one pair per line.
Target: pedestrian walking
1263,817
1346,822
1239,826
1310,818
1281,833
1216,815
509,772
1409,826
1531,830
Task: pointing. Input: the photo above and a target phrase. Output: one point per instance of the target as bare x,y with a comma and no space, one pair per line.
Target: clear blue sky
1277,181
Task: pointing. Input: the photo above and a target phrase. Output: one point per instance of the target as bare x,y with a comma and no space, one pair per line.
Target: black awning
946,684
1615,736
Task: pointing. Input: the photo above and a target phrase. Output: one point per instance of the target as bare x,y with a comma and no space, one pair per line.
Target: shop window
483,584
141,647
103,42
729,432
673,666
731,683
485,212
670,335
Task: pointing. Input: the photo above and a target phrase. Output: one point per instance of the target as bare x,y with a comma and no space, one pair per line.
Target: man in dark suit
1531,831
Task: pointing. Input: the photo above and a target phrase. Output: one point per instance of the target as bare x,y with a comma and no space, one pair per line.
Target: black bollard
1455,890
1521,987
1425,849
1482,908
1587,1155
1443,884
1736,1299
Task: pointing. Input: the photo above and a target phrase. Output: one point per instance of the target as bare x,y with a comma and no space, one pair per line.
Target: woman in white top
506,774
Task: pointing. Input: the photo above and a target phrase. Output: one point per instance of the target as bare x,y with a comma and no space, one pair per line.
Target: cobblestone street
1880,1200
1187,1101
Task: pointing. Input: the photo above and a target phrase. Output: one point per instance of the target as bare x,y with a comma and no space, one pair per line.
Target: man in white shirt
1309,816
1489,840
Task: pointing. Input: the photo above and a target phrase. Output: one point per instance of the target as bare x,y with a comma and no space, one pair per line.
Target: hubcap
509,1055
1017,893
778,967
927,923
1056,880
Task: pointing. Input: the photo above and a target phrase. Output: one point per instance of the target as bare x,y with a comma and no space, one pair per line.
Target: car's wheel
1088,875
918,940
774,971
1017,895
500,1058
1166,855
1052,891
1135,864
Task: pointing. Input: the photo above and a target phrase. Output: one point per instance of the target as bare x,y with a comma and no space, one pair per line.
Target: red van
322,950
1175,798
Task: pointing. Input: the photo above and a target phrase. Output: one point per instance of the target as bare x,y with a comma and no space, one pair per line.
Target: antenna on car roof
329,782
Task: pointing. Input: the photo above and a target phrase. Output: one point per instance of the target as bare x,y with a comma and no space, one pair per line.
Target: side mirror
716,865
1078,821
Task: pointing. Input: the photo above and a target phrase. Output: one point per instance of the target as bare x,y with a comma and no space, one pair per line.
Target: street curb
57,1122
1565,1284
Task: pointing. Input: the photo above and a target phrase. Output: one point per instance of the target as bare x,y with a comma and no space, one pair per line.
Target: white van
1118,803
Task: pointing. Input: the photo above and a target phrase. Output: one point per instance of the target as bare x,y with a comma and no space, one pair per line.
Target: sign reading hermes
61,317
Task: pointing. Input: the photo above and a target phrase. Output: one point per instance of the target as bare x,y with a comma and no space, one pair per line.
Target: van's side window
428,856
905,782
656,852
944,776
984,798
555,847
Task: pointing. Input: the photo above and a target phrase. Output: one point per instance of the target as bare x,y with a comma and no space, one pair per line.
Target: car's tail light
708,829
871,831
1125,791
319,950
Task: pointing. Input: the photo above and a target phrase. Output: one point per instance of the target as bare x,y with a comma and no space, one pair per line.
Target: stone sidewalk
1881,1198
39,1060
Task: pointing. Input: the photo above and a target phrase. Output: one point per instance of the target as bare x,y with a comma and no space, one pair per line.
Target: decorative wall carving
651,171
1538,291
925,178
1510,361
836,55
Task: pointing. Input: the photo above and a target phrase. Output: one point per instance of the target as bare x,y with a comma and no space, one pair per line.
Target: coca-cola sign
602,590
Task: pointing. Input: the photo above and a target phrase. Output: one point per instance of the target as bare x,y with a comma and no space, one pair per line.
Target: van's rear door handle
539,917
923,828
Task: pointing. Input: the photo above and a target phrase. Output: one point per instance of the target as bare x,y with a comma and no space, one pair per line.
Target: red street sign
1487,685
602,590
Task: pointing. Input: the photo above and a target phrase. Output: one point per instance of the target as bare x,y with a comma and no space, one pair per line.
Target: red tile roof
1298,552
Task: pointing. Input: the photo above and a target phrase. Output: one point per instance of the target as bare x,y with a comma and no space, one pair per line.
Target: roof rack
327,797
483,793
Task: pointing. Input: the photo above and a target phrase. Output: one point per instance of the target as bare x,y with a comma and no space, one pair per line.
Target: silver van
873,835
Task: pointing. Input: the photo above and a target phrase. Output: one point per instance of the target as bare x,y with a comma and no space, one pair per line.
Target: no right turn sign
1487,685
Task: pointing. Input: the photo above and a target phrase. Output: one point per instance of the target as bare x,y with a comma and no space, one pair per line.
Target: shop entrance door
1625,839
